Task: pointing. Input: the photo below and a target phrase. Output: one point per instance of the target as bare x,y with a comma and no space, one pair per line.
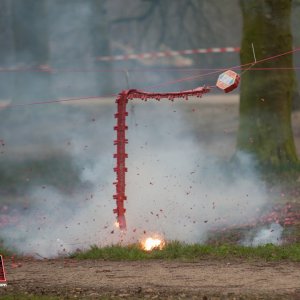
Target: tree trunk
266,96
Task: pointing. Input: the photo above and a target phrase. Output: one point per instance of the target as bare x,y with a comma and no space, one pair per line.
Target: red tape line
170,53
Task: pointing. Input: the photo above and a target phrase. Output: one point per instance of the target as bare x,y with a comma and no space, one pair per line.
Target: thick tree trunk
266,96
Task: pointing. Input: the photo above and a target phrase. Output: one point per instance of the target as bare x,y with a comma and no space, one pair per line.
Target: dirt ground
205,279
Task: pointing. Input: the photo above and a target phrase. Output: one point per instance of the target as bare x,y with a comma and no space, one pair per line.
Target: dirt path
155,279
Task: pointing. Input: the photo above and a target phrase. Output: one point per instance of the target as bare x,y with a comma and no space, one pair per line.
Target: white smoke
174,188
268,235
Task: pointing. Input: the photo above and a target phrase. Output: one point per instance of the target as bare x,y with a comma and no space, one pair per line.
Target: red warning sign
228,81
2,273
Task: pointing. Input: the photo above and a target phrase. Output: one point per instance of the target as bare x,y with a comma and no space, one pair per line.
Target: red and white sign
2,273
228,81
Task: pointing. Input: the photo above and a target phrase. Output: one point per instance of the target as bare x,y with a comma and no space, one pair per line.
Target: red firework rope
121,140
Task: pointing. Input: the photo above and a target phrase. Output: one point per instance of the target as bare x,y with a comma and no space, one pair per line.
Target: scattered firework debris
287,215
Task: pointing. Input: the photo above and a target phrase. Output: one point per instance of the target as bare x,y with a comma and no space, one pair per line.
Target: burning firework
152,243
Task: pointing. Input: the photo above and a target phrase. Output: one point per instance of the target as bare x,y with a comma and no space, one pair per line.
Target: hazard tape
155,55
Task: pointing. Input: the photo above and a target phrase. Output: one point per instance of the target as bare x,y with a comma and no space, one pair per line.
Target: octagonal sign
228,81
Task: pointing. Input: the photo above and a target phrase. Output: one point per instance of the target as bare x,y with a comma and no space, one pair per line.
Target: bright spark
152,243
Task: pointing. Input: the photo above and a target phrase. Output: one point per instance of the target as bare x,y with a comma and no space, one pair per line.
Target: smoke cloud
268,235
174,186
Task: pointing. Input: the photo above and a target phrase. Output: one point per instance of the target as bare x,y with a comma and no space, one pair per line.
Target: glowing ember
152,243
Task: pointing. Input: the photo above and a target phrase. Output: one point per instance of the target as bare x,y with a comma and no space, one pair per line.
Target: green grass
181,251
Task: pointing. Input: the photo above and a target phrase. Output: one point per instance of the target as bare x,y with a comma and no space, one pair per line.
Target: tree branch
139,18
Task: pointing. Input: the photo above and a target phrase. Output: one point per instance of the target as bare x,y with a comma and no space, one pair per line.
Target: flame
151,243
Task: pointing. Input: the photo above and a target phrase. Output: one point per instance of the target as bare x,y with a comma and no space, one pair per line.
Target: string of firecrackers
121,140
227,81
197,92
170,53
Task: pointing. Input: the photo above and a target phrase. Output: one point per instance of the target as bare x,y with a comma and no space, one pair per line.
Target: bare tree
146,25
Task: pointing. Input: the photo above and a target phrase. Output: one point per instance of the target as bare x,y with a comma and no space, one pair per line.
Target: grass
181,251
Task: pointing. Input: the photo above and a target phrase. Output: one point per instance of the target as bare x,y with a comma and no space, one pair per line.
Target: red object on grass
228,81
121,140
2,273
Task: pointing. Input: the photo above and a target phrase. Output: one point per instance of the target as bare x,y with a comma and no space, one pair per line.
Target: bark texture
266,96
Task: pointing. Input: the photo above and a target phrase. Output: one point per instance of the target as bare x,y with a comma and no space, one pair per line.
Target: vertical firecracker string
121,140
120,157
